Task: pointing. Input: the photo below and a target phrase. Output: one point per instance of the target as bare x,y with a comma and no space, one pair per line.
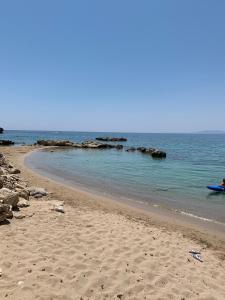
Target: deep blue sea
178,182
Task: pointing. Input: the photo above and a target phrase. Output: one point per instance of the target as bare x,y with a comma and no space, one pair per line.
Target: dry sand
101,250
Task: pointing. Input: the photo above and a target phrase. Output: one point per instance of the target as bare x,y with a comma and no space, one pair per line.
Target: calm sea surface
178,182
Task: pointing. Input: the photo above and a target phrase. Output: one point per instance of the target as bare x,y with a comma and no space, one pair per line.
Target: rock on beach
9,197
37,192
4,212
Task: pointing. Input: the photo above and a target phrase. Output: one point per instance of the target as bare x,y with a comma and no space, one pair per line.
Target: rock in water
119,147
1,130
60,143
132,149
142,149
6,143
155,153
111,139
158,154
96,145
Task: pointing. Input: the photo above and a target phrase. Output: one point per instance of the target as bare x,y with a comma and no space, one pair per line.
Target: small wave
200,218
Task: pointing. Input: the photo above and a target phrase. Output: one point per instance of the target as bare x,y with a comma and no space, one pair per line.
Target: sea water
178,182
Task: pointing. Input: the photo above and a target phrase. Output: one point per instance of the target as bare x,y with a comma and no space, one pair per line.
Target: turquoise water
179,182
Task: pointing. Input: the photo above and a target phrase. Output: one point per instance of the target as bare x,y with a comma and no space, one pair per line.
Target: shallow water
179,182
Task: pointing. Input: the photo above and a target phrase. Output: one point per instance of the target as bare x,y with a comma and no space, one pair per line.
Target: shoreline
101,249
193,227
160,213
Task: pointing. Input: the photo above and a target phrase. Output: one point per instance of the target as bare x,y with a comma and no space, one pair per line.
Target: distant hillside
211,132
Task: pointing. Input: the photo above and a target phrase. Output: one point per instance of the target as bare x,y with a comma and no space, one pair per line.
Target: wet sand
102,249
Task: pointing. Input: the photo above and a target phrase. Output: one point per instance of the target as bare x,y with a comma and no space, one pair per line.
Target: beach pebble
20,283
0,272
58,208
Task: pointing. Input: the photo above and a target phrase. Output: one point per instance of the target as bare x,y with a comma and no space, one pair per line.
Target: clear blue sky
121,65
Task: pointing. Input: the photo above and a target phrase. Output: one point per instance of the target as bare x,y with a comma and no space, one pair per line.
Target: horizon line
135,132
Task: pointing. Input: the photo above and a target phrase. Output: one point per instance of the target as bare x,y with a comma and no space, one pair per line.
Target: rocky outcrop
119,147
4,212
85,145
9,181
96,145
6,143
1,130
155,153
9,197
142,149
59,143
158,154
14,192
111,139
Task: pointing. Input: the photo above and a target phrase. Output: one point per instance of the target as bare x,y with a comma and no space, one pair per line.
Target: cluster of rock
111,139
97,145
155,153
1,130
14,192
85,144
57,143
6,143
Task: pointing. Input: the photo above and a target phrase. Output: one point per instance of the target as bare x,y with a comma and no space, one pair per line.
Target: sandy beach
100,249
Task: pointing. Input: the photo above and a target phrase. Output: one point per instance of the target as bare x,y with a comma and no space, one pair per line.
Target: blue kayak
217,188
